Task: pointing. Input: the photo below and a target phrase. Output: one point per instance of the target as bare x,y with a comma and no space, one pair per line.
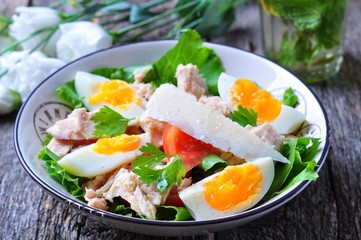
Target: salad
178,139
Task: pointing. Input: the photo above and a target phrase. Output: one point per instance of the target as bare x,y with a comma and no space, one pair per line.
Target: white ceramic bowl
43,108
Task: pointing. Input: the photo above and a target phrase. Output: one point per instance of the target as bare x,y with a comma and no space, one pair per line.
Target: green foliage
122,73
318,25
300,152
4,23
171,213
118,207
189,49
68,94
71,183
244,117
16,99
290,98
213,162
166,175
212,18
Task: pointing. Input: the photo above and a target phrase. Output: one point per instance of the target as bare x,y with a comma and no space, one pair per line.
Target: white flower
25,71
80,38
9,100
28,20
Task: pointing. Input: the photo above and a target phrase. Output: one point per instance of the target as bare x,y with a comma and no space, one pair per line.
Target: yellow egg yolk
117,93
121,143
237,186
247,94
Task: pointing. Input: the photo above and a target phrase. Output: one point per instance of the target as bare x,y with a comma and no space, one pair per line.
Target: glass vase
304,36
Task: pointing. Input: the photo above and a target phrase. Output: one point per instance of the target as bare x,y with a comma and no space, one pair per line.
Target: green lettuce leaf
171,213
4,22
122,73
189,49
213,162
71,183
300,152
68,94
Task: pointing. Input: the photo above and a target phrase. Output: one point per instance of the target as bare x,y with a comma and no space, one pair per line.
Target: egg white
286,122
84,162
86,86
194,199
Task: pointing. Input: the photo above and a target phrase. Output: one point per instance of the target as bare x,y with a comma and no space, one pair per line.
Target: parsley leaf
243,117
67,93
290,98
109,123
166,176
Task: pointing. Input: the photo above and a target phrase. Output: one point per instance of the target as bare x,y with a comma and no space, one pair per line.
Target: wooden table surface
327,209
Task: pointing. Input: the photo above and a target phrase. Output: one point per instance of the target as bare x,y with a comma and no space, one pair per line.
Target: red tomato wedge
173,199
191,150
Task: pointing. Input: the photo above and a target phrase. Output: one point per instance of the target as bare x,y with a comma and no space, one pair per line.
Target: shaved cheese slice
173,105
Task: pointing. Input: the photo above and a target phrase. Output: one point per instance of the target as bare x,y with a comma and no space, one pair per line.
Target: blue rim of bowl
79,205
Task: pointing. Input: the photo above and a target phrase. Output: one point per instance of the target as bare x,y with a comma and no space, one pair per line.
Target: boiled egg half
244,92
98,91
233,190
104,156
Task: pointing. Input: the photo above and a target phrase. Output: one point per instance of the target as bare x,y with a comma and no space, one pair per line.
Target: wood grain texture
327,209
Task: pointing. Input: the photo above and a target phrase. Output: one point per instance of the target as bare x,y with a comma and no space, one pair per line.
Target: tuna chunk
58,147
216,103
94,201
189,80
77,126
153,127
143,90
143,198
186,182
267,134
139,74
99,181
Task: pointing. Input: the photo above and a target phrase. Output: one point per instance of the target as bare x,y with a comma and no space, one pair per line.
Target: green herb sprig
244,117
317,24
109,123
290,98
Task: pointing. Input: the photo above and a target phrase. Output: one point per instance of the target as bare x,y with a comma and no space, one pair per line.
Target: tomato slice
191,150
173,199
